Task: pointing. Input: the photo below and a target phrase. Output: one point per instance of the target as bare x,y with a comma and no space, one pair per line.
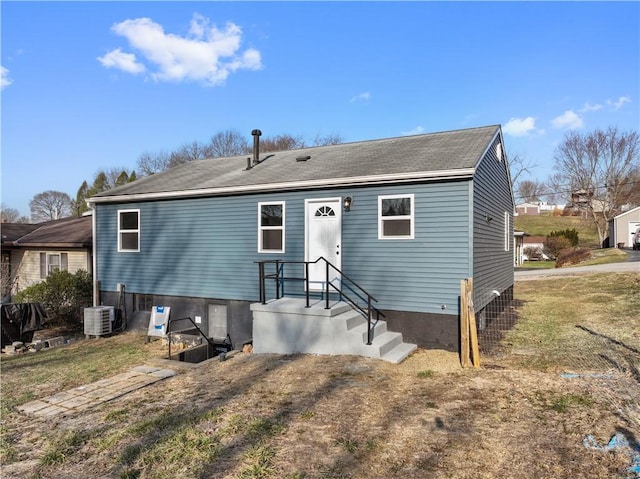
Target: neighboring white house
536,207
622,227
518,247
537,243
31,251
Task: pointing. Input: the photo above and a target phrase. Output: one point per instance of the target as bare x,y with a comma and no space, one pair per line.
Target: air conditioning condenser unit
98,320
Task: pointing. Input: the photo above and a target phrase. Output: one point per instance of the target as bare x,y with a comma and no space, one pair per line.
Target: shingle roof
453,153
72,232
12,231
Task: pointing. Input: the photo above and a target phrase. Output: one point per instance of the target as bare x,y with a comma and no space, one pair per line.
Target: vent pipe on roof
256,146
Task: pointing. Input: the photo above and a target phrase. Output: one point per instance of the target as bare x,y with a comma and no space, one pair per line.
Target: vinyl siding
621,227
25,265
492,265
207,247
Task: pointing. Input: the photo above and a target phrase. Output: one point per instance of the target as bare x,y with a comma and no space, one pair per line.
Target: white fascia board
463,173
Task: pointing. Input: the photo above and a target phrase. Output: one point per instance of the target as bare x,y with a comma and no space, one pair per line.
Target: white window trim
410,217
273,228
120,231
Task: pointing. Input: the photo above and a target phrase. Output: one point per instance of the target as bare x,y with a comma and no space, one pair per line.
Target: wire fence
608,365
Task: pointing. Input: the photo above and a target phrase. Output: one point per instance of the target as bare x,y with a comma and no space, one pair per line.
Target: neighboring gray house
406,219
622,227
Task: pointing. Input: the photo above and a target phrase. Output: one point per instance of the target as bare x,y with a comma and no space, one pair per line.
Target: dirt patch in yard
306,416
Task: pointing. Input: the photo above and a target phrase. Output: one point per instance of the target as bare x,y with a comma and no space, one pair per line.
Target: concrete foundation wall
427,330
239,319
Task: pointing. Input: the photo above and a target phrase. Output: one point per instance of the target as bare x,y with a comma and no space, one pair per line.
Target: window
129,230
507,231
50,262
143,302
271,227
325,211
395,217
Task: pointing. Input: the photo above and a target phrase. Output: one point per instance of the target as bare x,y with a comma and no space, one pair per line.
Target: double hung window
129,230
395,217
50,262
271,224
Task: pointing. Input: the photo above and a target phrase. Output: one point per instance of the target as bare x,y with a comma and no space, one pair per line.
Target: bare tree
227,143
598,165
224,144
628,188
114,177
518,166
281,143
50,205
150,163
330,139
188,152
555,191
11,215
530,190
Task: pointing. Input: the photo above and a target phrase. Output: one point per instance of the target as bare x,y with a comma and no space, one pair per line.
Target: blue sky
89,86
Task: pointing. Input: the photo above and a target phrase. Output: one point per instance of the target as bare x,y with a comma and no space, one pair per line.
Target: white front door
323,238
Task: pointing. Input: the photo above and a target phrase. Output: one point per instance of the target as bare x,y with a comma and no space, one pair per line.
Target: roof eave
51,245
457,174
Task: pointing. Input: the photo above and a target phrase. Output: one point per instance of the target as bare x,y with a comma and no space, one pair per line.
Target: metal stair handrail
352,286
169,332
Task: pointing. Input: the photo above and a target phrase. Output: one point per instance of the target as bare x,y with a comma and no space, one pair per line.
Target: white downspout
94,240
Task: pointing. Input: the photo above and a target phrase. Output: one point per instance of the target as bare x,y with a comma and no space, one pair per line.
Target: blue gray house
397,223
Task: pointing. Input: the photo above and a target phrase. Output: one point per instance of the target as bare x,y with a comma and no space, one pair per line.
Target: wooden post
96,293
473,330
464,324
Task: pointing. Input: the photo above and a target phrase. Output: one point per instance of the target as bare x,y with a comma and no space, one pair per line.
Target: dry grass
305,416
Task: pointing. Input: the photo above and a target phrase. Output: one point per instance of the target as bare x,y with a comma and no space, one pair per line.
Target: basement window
271,227
395,217
129,230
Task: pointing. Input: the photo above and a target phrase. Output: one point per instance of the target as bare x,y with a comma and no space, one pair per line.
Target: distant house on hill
537,207
528,209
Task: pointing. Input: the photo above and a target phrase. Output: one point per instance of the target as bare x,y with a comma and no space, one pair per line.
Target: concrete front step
378,328
286,326
399,353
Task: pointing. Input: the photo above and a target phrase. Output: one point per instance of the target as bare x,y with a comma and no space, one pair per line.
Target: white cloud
5,80
569,119
206,54
619,102
364,96
416,131
520,126
589,107
121,61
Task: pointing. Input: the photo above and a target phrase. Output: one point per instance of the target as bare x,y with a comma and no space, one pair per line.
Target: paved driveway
632,265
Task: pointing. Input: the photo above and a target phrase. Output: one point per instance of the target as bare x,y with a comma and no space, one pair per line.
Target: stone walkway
90,395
